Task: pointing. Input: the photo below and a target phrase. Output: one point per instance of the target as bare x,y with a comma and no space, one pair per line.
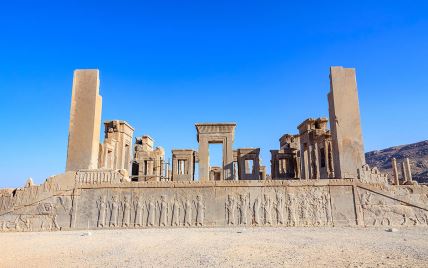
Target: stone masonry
85,121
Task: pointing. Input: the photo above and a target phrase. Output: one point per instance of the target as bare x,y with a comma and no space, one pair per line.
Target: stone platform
104,199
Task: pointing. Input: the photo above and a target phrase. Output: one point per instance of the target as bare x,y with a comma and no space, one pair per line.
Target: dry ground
223,247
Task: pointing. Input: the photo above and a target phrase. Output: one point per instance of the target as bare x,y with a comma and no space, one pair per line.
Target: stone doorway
209,133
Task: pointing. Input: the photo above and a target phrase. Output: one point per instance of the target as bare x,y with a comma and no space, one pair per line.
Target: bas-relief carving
302,207
139,207
102,211
114,206
379,210
42,216
135,210
200,210
186,207
176,210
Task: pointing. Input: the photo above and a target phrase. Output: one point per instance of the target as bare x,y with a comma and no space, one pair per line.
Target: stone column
228,159
408,170
316,162
150,167
404,172
167,175
310,166
395,178
204,168
85,121
296,164
263,173
345,125
256,170
304,163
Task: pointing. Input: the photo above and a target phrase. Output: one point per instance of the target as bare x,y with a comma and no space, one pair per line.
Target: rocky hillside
416,152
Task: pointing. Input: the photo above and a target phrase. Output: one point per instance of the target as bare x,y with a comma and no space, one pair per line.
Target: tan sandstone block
85,121
345,123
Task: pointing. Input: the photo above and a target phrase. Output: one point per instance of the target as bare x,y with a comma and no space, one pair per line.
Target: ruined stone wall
94,204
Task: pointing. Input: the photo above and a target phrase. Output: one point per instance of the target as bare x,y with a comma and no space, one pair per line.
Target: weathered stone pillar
228,157
262,173
167,170
404,172
408,170
345,125
297,173
85,121
316,163
304,163
204,169
395,178
310,163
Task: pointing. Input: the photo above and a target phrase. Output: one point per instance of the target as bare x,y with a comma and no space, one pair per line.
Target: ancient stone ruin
319,176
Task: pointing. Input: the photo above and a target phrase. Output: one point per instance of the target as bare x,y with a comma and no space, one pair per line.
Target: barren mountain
416,152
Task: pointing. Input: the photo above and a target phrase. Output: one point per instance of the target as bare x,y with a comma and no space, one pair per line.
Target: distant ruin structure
316,149
285,162
115,152
318,176
183,165
148,163
223,133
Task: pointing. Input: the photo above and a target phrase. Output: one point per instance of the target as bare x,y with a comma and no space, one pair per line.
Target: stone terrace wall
217,204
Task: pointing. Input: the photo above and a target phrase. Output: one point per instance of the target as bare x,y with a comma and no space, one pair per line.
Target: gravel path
224,247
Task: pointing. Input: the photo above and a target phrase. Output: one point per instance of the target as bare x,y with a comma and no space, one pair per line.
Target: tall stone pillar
204,162
345,125
395,178
228,158
316,161
404,172
408,171
85,121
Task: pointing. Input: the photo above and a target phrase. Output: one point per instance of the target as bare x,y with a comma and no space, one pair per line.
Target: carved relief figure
279,207
102,212
230,210
114,211
408,214
151,210
304,210
139,211
327,207
256,211
126,208
3,226
200,211
291,203
163,210
243,207
48,210
377,211
317,206
387,213
176,212
187,212
267,209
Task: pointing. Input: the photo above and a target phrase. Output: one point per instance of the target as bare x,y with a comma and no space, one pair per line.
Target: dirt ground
220,247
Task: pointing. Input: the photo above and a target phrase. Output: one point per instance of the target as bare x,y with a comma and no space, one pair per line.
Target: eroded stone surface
85,121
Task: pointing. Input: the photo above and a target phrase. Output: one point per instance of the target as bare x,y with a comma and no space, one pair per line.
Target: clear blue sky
166,65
